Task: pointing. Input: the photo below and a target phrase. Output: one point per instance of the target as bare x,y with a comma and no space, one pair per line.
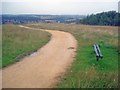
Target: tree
105,18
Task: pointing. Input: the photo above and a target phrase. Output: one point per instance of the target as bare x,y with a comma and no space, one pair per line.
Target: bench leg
97,58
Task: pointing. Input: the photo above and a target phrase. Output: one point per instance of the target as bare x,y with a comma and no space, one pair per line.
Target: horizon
60,14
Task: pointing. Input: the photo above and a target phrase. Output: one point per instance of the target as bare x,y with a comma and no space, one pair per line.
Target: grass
85,71
0,46
18,42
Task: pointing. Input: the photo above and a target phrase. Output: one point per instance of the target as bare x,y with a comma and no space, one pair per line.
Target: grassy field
18,42
0,46
86,72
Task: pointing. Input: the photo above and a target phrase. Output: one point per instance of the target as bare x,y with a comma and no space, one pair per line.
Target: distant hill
105,18
21,19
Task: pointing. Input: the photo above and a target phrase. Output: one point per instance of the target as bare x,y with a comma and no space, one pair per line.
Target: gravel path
43,68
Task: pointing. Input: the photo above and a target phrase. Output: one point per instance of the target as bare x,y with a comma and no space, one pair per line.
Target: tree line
110,18
34,18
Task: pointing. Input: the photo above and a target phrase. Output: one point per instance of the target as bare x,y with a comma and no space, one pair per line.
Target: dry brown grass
18,42
0,46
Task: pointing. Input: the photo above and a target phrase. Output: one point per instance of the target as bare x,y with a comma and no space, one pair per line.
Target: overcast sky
58,7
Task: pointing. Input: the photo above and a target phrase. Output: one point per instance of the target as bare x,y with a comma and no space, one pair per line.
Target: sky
58,7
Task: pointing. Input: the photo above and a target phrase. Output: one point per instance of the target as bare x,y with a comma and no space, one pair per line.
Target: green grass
85,71
18,42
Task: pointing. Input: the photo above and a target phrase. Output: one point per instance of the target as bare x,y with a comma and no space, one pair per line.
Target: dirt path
44,68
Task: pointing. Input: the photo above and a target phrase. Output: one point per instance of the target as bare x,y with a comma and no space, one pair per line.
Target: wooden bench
97,51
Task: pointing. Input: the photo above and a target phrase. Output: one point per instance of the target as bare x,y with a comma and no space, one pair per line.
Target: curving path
43,68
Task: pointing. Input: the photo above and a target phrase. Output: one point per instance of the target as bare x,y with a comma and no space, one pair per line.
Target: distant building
50,21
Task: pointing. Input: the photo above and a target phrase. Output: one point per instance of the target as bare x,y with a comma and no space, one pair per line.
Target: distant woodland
110,18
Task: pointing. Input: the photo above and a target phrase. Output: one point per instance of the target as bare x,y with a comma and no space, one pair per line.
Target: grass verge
86,72
18,42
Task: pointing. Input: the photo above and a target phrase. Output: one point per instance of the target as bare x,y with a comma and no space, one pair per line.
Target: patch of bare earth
43,68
